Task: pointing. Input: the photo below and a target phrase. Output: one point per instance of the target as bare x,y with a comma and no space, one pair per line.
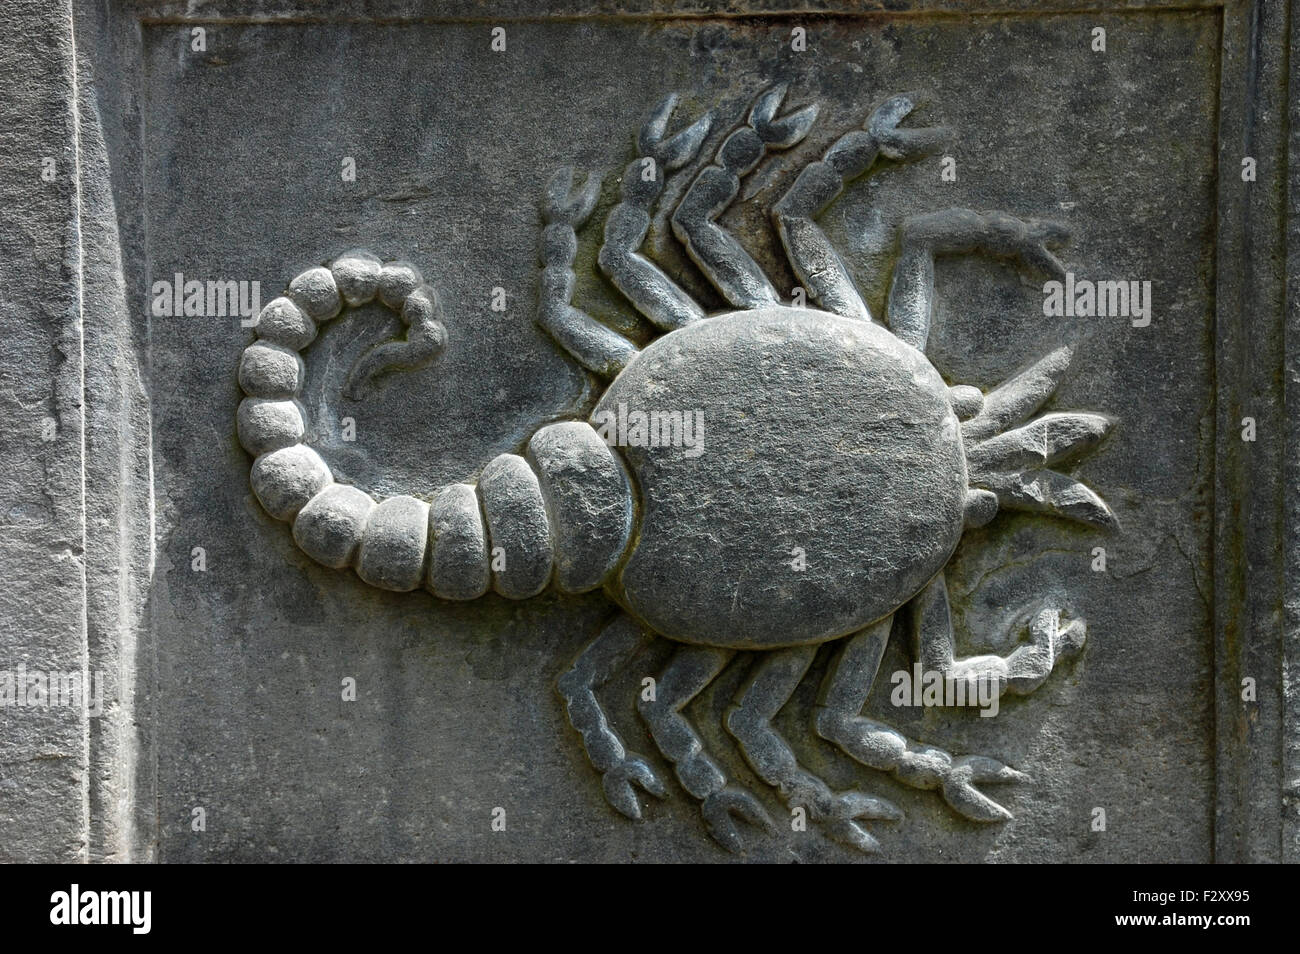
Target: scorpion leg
722,258
595,346
876,745
604,656
911,293
750,721
640,280
1019,673
688,672
812,256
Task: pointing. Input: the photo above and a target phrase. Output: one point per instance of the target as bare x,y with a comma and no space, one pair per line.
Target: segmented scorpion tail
561,512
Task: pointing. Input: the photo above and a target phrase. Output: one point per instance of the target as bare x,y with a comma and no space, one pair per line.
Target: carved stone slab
565,437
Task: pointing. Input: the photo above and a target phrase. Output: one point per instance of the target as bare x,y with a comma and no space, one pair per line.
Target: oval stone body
824,488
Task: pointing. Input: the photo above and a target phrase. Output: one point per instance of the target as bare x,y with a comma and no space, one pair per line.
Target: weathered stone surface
316,294
1121,592
44,772
270,371
356,274
817,435
588,500
282,322
329,526
284,480
458,569
394,544
518,532
266,425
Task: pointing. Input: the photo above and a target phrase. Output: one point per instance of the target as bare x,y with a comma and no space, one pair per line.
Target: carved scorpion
827,432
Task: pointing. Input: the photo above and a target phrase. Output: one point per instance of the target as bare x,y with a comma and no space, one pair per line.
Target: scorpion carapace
881,498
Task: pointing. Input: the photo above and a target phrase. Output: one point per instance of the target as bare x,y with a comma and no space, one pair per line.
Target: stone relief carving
775,428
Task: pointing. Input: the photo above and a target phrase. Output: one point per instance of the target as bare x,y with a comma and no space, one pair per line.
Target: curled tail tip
423,345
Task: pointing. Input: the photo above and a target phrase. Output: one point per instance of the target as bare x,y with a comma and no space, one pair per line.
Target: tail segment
563,512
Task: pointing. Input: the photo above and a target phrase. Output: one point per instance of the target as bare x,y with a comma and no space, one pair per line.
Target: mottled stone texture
43,765
226,667
825,436
77,471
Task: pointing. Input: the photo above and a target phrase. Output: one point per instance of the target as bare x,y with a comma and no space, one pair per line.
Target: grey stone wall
143,140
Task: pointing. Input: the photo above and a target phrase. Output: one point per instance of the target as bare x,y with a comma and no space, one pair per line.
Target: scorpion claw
557,188
851,806
905,144
960,792
566,205
722,808
618,783
784,132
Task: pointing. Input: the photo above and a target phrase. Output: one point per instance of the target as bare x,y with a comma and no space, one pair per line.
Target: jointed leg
1019,673
911,294
653,293
722,258
815,261
596,347
876,745
750,721
688,672
618,642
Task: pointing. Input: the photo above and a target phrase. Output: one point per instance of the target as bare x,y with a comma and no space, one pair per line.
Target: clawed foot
722,808
676,151
848,808
618,782
900,144
1065,641
959,789
999,234
784,132
567,205
1032,241
922,766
